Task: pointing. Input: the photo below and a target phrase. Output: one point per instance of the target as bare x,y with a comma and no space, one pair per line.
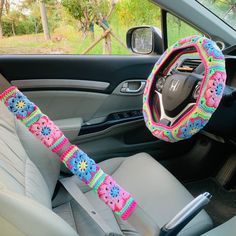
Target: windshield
224,9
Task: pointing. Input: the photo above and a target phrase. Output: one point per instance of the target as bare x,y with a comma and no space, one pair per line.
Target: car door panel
110,69
114,142
67,104
89,89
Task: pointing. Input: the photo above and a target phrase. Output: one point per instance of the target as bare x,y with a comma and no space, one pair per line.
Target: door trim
60,83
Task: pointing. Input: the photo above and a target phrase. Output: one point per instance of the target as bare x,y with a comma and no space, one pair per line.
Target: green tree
37,8
44,19
79,11
13,17
138,12
2,2
91,12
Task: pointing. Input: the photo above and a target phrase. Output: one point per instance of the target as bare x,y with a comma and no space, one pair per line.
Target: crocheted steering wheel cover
211,90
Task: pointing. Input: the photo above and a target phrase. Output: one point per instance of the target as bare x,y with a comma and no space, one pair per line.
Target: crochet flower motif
212,49
147,87
191,128
112,194
145,117
161,135
215,89
20,105
188,39
83,166
46,131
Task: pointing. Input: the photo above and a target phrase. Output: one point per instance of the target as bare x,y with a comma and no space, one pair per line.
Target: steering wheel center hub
176,91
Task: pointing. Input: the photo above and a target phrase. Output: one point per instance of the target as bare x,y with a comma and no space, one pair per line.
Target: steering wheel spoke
160,83
167,120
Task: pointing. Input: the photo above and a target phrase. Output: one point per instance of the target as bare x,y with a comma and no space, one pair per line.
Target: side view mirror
144,40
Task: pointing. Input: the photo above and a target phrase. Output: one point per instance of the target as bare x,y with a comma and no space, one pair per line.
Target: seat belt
73,189
78,162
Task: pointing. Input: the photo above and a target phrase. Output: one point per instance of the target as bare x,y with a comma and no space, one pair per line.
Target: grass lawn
63,41
66,40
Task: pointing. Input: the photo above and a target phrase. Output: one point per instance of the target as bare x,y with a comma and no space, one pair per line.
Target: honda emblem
174,85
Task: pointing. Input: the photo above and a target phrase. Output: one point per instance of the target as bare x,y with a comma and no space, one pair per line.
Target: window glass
72,26
224,9
178,29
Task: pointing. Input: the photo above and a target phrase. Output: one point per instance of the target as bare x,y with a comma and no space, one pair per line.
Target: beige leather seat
29,173
228,228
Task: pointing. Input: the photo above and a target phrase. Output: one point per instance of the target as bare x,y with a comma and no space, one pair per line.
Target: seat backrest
17,171
47,162
28,171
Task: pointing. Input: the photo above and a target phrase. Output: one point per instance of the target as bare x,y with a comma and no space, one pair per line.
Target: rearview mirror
144,40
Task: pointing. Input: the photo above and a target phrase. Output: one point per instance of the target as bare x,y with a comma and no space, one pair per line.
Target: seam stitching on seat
26,166
18,137
11,164
13,176
73,215
118,166
118,223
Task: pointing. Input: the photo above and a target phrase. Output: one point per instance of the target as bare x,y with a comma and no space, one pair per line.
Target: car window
177,29
72,26
224,9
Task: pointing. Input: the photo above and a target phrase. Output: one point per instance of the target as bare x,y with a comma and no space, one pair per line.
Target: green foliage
7,27
28,26
86,8
177,29
137,12
73,7
87,12
22,25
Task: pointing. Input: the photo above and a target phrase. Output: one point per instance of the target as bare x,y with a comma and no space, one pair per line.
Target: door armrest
71,127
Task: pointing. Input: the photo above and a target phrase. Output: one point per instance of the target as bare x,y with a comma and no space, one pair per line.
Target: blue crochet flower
114,191
192,128
45,131
211,48
145,116
219,89
83,166
20,105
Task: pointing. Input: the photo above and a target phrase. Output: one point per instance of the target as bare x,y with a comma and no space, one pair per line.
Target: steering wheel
177,105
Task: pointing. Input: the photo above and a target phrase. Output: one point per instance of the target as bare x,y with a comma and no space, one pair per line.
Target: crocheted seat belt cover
78,162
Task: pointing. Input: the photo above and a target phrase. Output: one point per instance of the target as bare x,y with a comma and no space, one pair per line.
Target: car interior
97,102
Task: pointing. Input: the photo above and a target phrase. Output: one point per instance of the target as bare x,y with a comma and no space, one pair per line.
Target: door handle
133,87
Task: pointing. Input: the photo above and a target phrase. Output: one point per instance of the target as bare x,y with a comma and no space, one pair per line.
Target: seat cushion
157,192
228,228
